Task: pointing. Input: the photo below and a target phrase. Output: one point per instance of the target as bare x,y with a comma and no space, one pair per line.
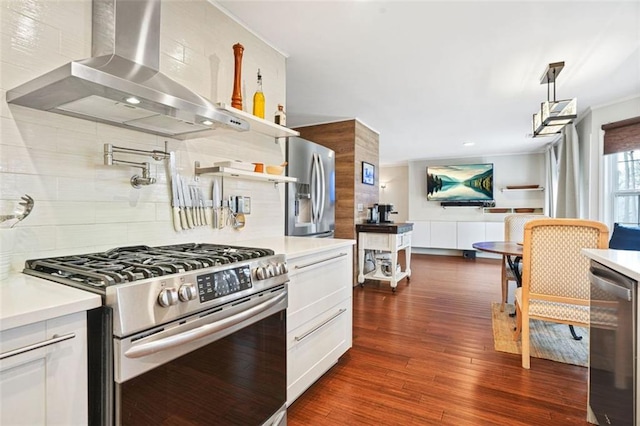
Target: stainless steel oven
612,347
203,344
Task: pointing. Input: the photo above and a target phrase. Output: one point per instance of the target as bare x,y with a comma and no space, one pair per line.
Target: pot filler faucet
136,181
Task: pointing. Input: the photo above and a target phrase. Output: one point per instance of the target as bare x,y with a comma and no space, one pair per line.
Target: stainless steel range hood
121,84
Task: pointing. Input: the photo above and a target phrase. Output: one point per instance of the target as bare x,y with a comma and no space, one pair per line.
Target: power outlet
360,207
240,204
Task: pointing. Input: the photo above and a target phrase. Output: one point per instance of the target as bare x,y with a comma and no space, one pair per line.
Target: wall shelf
539,188
259,125
241,174
511,210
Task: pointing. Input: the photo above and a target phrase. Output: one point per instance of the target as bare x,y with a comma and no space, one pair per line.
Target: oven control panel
222,283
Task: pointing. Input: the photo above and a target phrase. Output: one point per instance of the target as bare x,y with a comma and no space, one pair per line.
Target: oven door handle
203,331
610,287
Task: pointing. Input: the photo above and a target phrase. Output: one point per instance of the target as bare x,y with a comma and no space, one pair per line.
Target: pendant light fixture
553,114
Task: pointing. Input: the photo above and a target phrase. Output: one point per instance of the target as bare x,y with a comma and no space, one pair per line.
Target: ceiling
430,76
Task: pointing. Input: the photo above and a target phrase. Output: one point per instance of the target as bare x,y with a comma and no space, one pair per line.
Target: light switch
360,207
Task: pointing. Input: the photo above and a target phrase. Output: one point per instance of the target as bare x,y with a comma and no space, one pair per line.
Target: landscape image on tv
466,182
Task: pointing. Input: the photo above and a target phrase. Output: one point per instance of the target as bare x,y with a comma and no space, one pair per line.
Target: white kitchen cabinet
494,231
444,235
469,233
421,234
43,372
319,316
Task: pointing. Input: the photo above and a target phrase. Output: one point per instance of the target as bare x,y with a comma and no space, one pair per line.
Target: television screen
466,182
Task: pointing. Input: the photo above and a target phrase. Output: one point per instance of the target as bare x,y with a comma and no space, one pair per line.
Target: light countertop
294,247
627,262
25,300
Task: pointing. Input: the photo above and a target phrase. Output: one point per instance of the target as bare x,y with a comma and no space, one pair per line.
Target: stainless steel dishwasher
612,346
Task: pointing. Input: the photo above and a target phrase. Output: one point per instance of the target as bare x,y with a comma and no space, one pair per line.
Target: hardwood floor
424,356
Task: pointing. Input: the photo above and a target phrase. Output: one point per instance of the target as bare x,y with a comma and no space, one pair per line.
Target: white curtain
551,179
566,204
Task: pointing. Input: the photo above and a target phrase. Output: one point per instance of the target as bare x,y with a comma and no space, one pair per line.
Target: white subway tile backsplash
83,206
89,237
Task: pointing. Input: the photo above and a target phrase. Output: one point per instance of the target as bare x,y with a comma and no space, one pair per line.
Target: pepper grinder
236,97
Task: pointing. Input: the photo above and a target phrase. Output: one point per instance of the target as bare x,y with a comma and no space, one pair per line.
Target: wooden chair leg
524,341
518,330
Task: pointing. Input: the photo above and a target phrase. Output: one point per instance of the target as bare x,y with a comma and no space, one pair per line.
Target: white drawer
318,282
317,345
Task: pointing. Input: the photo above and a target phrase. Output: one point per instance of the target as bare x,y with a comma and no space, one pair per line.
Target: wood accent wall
353,143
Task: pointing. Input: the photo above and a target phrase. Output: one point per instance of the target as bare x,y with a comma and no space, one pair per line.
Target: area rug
548,340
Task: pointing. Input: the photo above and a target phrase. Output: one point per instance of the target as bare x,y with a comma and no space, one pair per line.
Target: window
625,179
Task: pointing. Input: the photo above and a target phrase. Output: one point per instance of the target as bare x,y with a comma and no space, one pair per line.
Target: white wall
82,205
591,137
395,180
521,169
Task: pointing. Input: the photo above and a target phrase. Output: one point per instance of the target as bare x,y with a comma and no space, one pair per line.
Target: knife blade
217,206
175,201
184,195
197,213
182,205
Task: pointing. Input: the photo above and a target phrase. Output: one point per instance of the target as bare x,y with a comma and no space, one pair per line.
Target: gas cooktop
129,264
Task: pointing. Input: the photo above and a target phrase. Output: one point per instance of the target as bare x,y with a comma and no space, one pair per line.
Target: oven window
237,380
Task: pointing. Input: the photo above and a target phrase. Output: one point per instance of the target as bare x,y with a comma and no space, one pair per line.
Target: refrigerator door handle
322,190
313,189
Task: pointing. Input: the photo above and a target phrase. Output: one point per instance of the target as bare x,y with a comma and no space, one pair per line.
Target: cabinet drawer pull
322,324
320,261
54,340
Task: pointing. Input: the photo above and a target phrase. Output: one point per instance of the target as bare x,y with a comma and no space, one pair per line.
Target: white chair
513,231
555,281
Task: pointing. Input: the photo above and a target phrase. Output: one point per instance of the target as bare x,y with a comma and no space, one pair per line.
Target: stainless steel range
188,333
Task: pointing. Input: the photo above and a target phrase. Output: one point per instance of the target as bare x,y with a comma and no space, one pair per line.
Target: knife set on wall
189,206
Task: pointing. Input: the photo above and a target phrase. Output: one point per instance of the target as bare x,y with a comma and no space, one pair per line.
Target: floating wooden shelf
259,125
523,188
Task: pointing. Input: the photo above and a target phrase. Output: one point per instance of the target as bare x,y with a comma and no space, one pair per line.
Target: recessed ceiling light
207,122
133,100
468,143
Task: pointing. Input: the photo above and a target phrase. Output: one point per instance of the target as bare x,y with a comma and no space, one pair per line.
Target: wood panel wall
353,143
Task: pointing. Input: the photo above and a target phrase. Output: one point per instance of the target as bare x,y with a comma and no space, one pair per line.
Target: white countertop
294,247
627,262
25,300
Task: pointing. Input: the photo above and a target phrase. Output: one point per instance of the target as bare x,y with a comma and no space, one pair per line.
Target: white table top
627,262
25,300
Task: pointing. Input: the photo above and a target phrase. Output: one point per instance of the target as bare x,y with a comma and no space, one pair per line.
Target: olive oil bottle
258,98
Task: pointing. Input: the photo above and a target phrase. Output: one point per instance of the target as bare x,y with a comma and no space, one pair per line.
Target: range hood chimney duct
121,83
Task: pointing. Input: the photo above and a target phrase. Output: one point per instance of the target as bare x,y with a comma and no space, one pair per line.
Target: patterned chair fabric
555,281
513,231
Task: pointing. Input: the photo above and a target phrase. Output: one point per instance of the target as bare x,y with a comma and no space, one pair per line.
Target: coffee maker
380,213
384,213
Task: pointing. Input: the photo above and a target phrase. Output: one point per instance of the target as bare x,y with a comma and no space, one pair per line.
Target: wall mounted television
464,182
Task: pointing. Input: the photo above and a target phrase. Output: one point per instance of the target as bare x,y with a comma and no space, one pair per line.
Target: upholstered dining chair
513,231
555,282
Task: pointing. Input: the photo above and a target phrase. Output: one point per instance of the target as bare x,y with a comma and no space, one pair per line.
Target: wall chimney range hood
121,85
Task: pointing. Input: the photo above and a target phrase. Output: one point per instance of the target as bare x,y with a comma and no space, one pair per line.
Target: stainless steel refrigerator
310,202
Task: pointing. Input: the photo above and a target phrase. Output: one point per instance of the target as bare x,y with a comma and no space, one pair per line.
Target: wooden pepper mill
236,97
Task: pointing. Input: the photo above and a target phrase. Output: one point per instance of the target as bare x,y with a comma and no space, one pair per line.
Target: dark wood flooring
424,356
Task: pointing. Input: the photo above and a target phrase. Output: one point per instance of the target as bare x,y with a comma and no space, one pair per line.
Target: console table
385,237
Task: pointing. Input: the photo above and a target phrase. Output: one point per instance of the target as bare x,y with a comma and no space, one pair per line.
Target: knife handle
189,214
205,215
183,219
176,219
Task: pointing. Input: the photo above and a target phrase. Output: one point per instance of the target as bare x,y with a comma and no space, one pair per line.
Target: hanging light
553,115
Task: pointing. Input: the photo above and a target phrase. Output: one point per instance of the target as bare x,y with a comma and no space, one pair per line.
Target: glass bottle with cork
258,98
280,117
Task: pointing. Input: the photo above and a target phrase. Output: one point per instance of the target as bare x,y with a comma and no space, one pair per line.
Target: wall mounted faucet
136,181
